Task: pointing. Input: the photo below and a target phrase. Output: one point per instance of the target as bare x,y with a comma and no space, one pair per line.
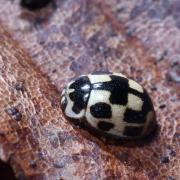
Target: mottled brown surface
140,39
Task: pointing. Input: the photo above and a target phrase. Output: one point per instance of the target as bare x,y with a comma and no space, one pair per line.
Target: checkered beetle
110,103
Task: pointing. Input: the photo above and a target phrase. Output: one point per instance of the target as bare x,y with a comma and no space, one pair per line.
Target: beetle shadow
131,143
107,139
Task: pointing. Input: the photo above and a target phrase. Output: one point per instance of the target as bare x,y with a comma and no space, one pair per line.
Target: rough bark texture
47,48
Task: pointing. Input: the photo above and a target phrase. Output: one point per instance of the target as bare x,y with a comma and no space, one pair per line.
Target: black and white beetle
110,103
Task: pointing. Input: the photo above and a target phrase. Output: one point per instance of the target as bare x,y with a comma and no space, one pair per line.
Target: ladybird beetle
109,103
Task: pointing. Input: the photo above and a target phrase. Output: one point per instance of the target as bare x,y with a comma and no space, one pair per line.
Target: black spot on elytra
135,92
101,110
147,105
105,126
118,86
132,116
80,94
133,131
120,91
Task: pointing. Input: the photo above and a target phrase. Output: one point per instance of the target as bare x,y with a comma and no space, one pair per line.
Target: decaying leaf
41,51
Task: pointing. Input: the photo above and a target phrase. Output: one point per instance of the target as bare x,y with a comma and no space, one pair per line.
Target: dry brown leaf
80,37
